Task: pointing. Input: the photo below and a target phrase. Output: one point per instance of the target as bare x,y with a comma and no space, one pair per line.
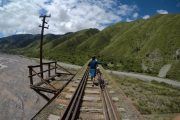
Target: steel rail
105,111
72,110
110,111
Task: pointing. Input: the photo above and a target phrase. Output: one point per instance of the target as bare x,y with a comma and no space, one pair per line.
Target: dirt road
146,78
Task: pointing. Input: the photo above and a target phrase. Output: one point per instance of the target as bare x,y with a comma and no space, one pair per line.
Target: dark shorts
92,72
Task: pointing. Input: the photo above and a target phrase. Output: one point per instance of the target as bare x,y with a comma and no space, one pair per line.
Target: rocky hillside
138,46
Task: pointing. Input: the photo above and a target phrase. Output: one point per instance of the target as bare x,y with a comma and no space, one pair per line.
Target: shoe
93,84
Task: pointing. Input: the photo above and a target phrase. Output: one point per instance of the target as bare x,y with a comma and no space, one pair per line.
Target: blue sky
74,15
150,6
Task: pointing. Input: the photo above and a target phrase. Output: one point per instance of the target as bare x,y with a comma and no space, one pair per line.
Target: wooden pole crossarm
44,80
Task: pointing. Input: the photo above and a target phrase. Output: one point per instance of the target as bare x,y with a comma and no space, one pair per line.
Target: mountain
17,41
138,46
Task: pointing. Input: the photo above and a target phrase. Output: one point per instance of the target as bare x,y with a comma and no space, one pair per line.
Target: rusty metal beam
58,92
44,80
63,68
43,95
47,80
42,71
43,89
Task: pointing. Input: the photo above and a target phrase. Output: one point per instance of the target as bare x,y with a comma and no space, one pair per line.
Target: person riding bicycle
100,78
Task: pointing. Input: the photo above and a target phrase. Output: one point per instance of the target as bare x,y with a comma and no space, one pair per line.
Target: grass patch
151,97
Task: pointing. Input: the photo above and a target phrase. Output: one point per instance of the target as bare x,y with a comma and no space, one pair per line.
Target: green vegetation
138,46
174,73
151,98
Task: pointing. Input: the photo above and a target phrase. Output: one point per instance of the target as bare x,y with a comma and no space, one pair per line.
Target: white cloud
146,17
129,20
162,11
135,15
126,10
22,16
17,17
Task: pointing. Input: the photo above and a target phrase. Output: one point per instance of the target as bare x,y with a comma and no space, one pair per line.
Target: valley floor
20,102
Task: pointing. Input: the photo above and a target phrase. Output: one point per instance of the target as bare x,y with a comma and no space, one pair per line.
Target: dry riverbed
17,100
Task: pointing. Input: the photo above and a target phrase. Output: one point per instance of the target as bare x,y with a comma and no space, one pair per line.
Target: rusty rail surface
73,109
109,109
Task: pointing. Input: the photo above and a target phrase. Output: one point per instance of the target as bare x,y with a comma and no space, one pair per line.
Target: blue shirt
93,64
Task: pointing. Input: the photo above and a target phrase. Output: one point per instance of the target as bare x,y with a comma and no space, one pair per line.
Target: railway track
110,110
72,110
80,101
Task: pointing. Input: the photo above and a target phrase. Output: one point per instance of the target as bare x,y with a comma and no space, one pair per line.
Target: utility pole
41,42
